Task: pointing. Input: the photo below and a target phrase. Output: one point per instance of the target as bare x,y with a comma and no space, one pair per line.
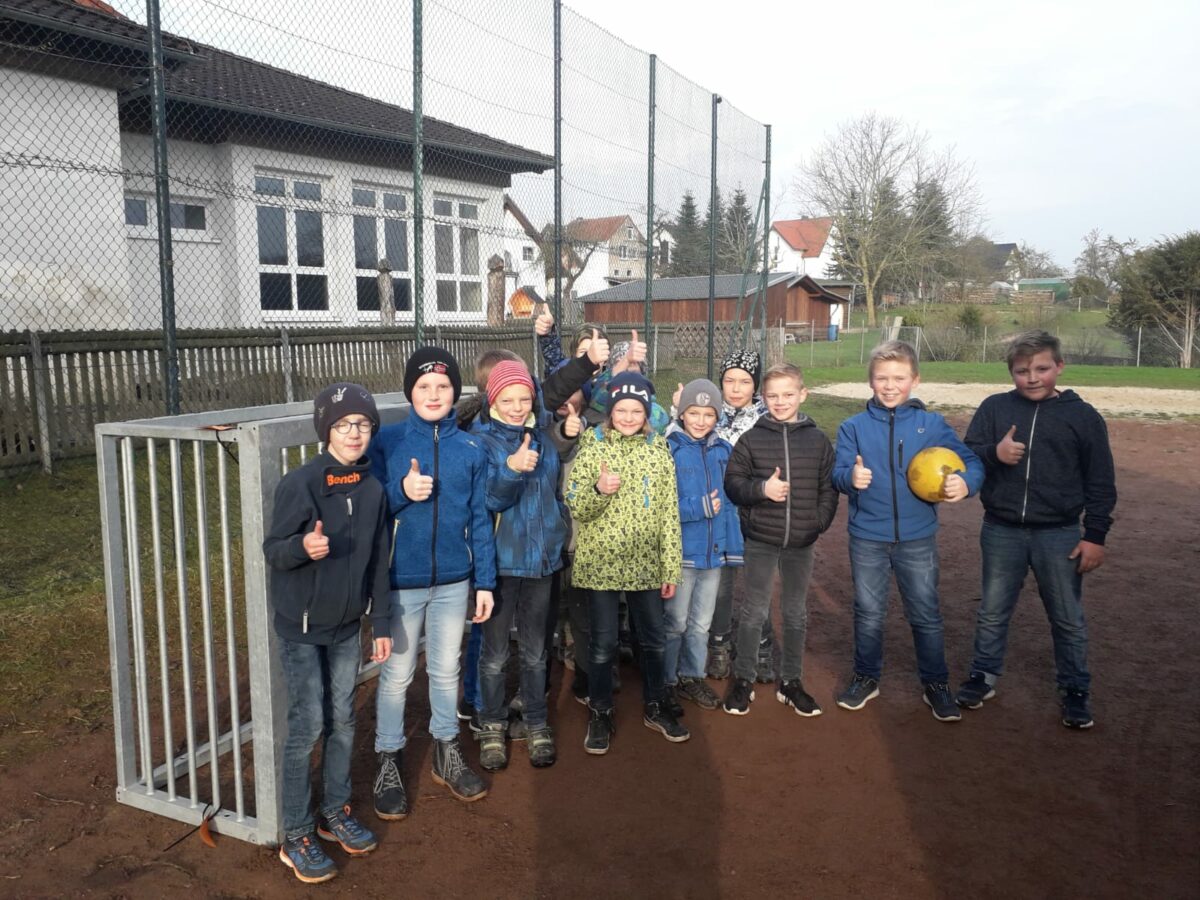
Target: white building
804,246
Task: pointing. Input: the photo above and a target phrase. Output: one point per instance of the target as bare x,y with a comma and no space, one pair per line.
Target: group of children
583,489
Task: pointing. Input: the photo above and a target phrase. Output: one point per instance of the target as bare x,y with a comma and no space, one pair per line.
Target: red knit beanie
504,374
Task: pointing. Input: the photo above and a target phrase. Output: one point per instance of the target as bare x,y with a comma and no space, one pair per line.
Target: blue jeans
527,601
471,667
915,564
645,609
687,617
1009,552
320,690
794,565
440,612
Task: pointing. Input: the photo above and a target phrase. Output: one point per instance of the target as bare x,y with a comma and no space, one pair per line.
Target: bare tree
1033,262
873,176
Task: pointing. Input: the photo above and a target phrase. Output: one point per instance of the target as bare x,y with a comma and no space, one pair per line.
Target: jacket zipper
349,551
1029,461
708,495
787,476
434,529
892,466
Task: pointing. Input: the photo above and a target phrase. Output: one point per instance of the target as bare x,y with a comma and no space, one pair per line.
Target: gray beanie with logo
700,392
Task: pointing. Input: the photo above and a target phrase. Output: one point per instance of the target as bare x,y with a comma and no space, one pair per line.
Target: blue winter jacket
448,537
709,541
532,522
887,440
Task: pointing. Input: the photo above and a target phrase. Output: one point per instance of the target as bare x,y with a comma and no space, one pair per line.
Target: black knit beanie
428,360
338,401
630,386
746,360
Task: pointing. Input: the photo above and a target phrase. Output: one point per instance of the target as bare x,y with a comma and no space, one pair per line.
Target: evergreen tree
737,237
704,225
691,243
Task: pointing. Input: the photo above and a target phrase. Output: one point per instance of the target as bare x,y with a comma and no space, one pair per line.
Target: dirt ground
1122,401
885,802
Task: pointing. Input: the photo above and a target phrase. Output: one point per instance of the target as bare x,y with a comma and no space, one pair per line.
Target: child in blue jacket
712,539
892,530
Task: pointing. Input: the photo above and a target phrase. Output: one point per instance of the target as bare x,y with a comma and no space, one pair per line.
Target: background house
610,249
803,246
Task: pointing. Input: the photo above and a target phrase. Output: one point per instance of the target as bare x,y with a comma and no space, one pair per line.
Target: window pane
527,254
446,299
187,216
366,253
468,251
468,211
443,208
306,190
368,292
310,239
402,294
394,202
472,296
443,247
272,237
136,212
266,185
362,197
311,293
395,243
274,291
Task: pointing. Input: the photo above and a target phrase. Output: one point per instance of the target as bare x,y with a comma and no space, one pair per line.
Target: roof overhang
816,291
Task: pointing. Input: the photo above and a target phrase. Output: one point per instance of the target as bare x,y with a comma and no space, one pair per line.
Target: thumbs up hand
525,459
316,545
1010,451
417,487
675,398
543,324
572,424
609,482
637,349
597,350
860,477
775,488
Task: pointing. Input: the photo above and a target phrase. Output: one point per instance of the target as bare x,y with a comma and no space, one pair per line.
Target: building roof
1042,282
817,289
690,287
510,207
805,235
215,78
998,256
594,231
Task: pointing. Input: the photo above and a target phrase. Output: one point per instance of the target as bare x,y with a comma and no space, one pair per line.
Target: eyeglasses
364,427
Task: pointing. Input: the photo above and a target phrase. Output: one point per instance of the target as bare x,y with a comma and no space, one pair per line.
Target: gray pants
794,565
722,620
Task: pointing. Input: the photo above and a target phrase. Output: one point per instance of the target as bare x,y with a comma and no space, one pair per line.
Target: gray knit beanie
700,392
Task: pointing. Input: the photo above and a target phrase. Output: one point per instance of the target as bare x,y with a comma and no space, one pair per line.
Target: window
291,245
380,233
629,233
456,256
623,252
136,211
185,216
527,253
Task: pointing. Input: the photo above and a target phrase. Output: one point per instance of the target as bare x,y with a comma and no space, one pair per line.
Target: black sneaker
450,769
720,661
792,693
938,698
493,751
600,730
861,689
739,697
579,687
671,702
1075,712
306,857
973,691
658,717
465,711
698,691
391,803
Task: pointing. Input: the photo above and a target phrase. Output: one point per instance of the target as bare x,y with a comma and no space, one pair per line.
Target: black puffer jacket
804,457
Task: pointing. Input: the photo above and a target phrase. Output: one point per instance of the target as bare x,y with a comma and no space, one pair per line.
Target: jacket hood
447,425
879,411
768,422
682,437
1064,396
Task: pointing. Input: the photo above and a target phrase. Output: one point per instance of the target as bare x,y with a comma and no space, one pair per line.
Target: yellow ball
928,470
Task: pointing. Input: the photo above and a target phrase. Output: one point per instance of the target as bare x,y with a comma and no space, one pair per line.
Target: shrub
971,320
947,344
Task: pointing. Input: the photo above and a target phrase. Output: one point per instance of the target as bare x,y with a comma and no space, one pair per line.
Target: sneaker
450,769
1075,712
355,838
792,693
579,687
493,751
720,662
938,698
973,691
600,730
391,803
542,752
764,667
739,697
861,689
465,710
671,702
698,691
658,717
307,859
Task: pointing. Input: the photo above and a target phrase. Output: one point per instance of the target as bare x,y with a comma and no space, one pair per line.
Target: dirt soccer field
885,802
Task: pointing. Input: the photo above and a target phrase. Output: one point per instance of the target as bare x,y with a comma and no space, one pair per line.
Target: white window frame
466,214
289,203
380,214
528,253
149,231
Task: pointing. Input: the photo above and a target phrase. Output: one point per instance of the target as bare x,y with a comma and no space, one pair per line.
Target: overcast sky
1075,114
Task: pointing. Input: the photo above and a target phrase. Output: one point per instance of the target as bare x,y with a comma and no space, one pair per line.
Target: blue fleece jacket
887,440
447,537
710,540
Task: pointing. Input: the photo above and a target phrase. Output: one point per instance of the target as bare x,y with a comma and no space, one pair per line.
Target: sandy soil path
1119,401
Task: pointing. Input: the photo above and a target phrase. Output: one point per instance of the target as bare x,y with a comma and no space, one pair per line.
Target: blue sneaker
307,859
355,838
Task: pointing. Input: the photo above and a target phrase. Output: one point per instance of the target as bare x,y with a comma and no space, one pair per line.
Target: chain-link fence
229,204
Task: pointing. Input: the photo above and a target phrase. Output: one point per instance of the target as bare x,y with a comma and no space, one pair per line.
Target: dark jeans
1009,552
794,565
722,621
527,601
471,667
320,692
915,564
646,612
578,600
